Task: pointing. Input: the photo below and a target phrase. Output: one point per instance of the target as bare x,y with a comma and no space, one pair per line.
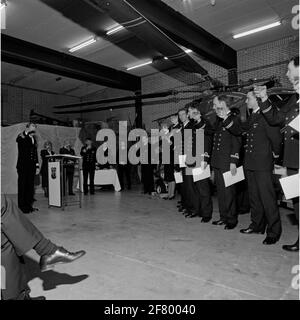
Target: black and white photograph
150,154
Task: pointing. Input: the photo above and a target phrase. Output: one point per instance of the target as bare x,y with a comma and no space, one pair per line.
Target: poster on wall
54,184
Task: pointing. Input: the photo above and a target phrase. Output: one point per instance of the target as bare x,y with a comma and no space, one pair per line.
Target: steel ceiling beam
186,32
20,52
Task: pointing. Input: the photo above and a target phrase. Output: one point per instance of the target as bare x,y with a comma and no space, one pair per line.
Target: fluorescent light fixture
188,51
83,44
114,30
139,65
166,58
266,27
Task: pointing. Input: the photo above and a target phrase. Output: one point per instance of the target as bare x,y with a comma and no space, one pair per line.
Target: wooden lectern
57,190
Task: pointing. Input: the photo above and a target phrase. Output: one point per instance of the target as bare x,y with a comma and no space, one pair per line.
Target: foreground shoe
218,222
205,219
61,255
230,226
291,247
27,297
250,231
34,209
270,240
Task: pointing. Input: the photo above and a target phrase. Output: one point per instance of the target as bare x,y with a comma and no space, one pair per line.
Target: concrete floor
140,247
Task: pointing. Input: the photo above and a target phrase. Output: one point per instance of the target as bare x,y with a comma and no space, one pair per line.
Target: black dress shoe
250,231
61,255
291,247
171,198
205,219
230,226
270,240
219,222
34,209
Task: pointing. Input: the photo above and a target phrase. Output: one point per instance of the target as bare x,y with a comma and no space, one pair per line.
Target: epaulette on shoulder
21,135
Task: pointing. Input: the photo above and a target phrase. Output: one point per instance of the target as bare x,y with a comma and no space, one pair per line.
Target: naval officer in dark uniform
282,118
187,188
202,201
262,148
88,153
27,167
225,157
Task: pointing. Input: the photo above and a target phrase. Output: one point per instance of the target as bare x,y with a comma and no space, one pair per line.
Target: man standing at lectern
70,165
27,167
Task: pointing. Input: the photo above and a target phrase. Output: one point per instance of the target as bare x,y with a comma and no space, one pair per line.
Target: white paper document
200,174
229,179
178,177
295,123
182,158
290,186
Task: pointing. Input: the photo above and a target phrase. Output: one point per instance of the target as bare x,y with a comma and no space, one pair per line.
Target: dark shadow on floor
51,279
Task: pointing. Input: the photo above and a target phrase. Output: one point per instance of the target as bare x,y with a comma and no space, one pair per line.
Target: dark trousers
26,187
242,197
124,170
263,203
226,198
203,200
291,172
18,236
88,174
69,176
147,178
188,192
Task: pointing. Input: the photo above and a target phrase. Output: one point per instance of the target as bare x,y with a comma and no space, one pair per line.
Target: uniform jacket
282,118
226,147
262,140
88,156
70,163
27,151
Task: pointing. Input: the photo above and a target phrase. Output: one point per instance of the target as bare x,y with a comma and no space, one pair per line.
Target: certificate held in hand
200,174
178,177
290,186
229,179
182,158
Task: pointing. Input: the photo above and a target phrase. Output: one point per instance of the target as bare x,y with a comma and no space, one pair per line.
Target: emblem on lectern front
53,173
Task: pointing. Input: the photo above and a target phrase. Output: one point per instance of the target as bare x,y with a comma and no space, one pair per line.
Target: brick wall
16,104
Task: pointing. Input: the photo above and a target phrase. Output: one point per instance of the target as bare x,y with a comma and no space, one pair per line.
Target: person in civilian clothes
202,201
124,169
225,157
263,146
18,236
70,167
88,153
27,167
47,151
282,118
187,189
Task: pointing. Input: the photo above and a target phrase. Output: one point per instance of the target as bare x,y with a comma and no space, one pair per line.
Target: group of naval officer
257,144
